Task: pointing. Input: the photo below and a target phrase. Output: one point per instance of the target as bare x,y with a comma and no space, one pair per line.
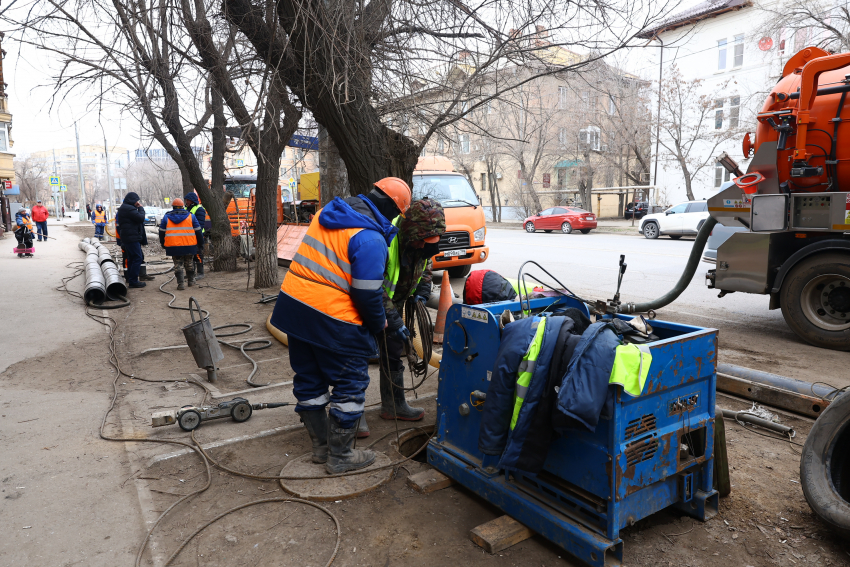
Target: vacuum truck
794,202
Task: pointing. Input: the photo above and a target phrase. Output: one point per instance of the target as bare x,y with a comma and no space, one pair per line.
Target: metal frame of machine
656,452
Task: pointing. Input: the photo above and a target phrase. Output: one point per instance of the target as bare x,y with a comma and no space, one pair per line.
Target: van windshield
449,190
241,190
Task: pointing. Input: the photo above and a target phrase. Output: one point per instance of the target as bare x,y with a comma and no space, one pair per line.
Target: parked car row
565,219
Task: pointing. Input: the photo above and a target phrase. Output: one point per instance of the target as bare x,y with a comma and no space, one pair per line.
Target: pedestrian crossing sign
63,188
54,181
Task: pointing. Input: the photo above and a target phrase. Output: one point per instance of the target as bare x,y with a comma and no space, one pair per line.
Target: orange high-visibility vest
27,223
180,234
320,273
99,216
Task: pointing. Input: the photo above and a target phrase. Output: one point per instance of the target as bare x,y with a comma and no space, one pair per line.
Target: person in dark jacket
23,231
194,207
130,223
180,235
330,306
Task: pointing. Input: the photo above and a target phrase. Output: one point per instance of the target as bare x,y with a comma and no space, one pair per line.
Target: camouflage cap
425,218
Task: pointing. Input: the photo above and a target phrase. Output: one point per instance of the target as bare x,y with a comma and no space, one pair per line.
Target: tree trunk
273,139
225,245
333,175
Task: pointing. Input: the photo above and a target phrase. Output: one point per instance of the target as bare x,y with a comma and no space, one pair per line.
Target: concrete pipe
115,286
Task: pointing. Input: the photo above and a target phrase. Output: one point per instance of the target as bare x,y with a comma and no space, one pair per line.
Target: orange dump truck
463,243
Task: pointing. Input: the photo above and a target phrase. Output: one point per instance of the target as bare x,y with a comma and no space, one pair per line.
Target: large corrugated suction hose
684,279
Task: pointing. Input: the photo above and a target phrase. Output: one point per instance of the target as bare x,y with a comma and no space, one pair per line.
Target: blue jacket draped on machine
367,251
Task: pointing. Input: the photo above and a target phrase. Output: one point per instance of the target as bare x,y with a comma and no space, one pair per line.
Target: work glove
403,334
420,298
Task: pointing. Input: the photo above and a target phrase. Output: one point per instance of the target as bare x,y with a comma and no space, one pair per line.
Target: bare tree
32,177
154,180
353,65
800,23
693,125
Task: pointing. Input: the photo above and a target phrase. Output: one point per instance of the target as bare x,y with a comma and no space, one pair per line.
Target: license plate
454,253
588,218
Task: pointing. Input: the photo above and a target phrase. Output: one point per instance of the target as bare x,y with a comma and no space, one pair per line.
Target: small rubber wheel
650,230
675,236
460,271
529,227
189,420
241,412
585,231
550,230
825,466
815,300
566,228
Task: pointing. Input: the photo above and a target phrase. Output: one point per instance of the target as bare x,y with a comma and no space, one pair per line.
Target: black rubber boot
316,423
143,274
191,277
180,285
362,427
341,456
199,271
393,404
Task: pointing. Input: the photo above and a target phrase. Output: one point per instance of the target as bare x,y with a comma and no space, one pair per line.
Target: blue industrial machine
655,452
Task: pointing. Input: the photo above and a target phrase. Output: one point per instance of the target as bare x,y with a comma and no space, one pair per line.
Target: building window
463,142
612,105
562,137
739,51
441,145
721,54
718,114
721,175
562,98
734,111
585,100
590,137
4,137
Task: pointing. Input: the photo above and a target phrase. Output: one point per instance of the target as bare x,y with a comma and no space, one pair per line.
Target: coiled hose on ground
684,279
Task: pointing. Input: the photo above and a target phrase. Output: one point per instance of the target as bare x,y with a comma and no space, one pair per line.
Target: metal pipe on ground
113,280
777,381
95,290
744,417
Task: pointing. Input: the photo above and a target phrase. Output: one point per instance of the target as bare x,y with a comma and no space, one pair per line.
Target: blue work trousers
42,229
98,229
323,376
135,257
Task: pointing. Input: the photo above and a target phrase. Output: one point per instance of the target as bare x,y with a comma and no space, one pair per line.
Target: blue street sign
54,181
304,142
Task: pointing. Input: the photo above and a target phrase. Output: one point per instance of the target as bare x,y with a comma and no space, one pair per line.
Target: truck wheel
825,466
460,271
815,300
650,230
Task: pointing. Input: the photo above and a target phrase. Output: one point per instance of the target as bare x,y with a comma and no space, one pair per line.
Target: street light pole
83,215
56,191
109,182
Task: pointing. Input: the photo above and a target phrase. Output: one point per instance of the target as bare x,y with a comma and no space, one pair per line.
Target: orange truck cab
463,243
240,210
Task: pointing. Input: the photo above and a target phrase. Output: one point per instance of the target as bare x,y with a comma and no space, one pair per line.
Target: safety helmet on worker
397,190
178,202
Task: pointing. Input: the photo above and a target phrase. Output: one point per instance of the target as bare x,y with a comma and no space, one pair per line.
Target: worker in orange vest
180,235
330,306
98,218
23,232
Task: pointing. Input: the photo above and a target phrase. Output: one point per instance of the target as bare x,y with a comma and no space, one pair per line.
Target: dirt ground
70,498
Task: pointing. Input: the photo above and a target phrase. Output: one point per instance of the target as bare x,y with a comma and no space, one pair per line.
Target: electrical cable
415,311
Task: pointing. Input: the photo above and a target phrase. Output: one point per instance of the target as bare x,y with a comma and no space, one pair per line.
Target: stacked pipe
103,279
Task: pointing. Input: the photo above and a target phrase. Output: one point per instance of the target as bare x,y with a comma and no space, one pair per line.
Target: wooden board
289,237
499,534
429,481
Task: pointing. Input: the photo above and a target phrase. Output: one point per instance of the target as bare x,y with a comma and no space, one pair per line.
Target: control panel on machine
683,404
811,211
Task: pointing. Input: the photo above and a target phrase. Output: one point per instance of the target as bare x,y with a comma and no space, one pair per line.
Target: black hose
684,279
416,310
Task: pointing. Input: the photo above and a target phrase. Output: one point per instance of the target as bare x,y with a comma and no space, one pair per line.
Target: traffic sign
292,184
54,181
7,185
240,162
167,200
63,188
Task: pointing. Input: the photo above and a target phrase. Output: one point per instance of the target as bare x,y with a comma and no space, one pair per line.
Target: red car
565,219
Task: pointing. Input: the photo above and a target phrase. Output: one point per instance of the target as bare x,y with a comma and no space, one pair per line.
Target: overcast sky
39,123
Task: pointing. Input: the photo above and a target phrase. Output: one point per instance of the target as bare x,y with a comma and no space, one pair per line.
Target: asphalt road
750,334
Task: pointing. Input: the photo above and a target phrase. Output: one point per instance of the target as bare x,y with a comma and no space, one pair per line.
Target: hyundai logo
452,239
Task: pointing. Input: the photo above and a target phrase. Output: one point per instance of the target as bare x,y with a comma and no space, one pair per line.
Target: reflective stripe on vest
631,367
99,216
394,265
195,208
526,369
180,234
320,273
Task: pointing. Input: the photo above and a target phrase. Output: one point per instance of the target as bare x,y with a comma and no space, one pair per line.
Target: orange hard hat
177,202
397,190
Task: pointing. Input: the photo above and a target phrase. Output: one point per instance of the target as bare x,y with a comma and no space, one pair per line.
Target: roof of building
694,14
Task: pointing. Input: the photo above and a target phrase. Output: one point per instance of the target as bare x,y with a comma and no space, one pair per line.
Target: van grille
454,240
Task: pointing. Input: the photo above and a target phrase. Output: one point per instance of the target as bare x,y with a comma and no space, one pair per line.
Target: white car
677,221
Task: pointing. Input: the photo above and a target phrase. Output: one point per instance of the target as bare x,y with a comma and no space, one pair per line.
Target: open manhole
411,441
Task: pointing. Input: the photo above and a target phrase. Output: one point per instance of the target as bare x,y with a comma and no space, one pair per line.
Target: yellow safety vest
631,367
526,368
